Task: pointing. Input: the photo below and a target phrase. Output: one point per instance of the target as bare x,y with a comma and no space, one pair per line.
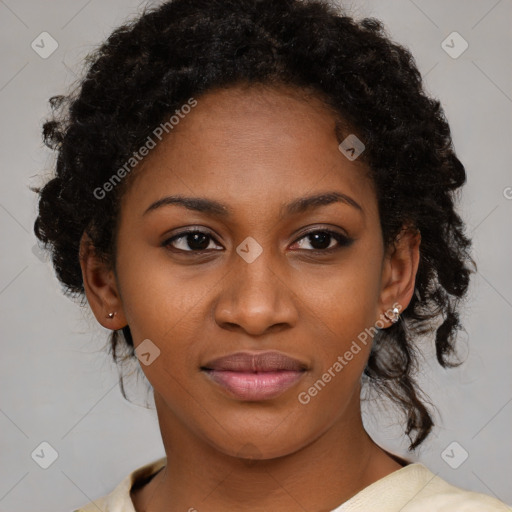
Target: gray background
58,384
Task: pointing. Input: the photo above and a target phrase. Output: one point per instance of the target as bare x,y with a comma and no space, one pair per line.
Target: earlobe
399,273
100,287
395,312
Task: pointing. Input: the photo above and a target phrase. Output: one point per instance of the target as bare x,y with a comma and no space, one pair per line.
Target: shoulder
94,506
108,503
119,500
437,495
414,488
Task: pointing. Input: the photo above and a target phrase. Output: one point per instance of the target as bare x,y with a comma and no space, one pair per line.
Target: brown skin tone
254,150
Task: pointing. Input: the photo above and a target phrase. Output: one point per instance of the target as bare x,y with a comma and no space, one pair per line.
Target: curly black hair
151,65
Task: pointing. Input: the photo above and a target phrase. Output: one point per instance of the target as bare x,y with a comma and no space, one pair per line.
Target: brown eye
190,241
325,240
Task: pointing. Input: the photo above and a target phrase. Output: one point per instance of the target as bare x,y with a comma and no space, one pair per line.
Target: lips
255,376
255,362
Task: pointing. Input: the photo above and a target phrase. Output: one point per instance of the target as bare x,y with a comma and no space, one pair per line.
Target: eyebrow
212,207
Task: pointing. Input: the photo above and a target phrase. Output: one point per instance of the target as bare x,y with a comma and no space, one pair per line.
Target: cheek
159,298
165,305
341,309
344,338
343,301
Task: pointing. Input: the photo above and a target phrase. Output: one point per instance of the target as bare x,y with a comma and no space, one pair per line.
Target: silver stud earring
111,315
396,315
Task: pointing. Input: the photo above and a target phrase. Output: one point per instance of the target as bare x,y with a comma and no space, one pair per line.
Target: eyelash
343,241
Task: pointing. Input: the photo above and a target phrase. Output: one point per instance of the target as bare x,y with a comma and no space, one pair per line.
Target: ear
399,270
100,287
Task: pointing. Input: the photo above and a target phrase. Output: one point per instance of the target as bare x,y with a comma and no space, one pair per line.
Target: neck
320,476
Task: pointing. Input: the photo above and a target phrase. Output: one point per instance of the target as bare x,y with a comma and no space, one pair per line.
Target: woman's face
253,281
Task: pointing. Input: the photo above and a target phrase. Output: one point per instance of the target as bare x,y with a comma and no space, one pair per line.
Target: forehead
250,144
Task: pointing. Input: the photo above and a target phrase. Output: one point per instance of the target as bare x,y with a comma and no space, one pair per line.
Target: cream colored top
413,488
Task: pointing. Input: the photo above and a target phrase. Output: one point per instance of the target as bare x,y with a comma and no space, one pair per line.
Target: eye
194,239
324,240
321,240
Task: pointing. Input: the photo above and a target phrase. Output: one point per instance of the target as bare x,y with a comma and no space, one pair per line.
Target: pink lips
255,376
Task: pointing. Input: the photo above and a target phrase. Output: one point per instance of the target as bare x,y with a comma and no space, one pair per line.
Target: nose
256,298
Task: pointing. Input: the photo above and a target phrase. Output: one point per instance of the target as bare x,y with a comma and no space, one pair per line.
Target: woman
257,198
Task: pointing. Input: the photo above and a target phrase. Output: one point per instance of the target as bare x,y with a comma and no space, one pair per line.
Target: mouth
255,376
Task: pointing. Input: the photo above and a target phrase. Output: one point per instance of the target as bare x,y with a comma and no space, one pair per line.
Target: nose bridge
254,297
256,276
256,287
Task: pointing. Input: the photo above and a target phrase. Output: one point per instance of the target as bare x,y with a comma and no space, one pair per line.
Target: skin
254,149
